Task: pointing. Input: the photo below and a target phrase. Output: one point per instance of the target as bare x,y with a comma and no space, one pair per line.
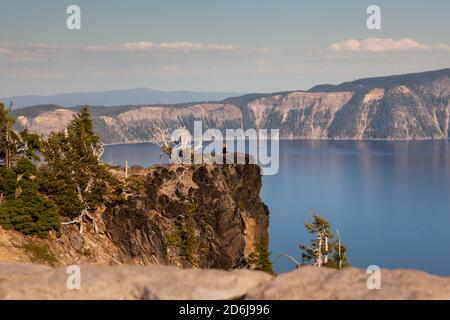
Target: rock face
208,216
28,281
403,107
68,248
311,283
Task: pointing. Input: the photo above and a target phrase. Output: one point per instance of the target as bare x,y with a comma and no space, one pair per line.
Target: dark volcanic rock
208,216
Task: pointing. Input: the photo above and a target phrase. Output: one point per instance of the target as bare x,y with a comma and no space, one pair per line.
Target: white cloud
377,45
36,51
178,46
35,74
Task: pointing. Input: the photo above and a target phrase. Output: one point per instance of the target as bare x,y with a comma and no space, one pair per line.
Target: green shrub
23,208
30,214
40,253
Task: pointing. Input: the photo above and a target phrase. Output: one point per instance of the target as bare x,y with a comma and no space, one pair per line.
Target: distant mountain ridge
386,82
401,107
116,97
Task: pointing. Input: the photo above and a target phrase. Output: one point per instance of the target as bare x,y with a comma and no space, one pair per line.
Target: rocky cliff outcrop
208,216
403,107
28,281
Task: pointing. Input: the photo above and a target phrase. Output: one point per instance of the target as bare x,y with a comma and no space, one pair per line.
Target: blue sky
211,45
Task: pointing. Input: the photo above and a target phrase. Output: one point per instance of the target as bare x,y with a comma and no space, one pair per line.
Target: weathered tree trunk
7,151
339,249
319,258
84,213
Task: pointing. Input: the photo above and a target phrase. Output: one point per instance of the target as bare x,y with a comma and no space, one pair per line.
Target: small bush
24,209
40,253
136,183
30,214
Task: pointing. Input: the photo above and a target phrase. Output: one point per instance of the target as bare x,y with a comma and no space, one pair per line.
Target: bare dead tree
162,136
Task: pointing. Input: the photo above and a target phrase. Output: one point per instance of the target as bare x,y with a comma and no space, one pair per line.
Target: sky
212,45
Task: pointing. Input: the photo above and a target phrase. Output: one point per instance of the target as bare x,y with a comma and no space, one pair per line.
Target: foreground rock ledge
30,281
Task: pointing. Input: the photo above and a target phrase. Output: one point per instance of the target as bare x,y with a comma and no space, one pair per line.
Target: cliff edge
205,216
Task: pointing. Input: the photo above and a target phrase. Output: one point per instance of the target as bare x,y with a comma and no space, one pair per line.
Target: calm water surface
389,200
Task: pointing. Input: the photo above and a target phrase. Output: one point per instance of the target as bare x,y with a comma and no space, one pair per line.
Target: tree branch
292,259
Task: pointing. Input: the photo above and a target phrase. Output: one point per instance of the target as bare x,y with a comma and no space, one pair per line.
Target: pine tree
21,206
339,258
323,252
263,259
30,144
260,258
73,175
13,145
8,138
320,245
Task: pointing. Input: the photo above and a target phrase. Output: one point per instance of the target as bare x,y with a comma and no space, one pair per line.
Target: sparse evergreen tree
9,140
13,145
324,251
339,257
73,175
21,206
30,144
263,262
318,252
260,259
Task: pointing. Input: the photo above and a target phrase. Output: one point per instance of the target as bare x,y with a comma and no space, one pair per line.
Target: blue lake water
389,200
